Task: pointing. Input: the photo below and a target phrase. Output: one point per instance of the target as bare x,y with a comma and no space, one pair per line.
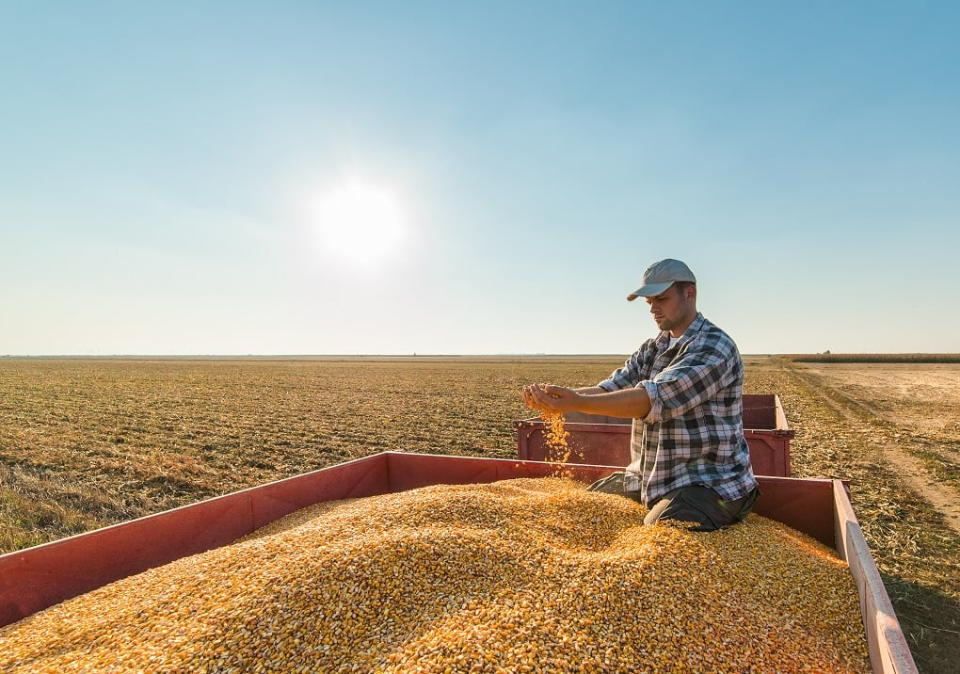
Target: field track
941,495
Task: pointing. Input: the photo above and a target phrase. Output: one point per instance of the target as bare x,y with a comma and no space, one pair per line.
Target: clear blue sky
158,162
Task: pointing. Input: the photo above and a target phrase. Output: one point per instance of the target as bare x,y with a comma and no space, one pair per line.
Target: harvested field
924,399
85,443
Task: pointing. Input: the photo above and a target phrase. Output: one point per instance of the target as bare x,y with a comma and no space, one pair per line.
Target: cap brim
649,290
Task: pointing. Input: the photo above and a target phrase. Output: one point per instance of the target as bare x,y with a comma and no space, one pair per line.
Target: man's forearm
632,403
589,390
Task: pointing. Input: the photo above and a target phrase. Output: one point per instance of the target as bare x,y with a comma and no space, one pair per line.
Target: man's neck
679,330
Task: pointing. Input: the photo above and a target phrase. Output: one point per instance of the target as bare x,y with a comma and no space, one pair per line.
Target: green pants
696,504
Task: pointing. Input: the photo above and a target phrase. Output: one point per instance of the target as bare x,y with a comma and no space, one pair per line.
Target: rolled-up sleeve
653,416
689,382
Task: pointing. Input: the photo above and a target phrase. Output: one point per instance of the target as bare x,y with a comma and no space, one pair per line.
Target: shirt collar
663,339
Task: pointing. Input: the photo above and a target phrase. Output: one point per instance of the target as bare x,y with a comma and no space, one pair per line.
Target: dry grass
84,443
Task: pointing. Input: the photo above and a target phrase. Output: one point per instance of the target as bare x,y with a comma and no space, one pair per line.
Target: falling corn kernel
558,451
525,575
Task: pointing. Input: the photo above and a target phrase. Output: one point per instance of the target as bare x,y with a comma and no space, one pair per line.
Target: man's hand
630,403
550,398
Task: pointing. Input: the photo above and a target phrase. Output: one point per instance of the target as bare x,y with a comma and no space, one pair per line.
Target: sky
475,178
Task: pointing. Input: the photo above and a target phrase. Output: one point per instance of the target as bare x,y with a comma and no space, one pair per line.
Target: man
683,390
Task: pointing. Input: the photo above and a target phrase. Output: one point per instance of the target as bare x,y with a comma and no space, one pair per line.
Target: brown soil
919,403
922,398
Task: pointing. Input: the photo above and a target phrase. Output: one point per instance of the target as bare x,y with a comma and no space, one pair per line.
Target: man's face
670,309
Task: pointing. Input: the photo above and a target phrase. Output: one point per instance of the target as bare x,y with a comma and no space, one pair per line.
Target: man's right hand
550,398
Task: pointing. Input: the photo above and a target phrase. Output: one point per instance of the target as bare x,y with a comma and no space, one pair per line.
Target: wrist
569,402
586,403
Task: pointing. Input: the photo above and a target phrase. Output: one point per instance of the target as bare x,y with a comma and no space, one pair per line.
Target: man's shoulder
711,336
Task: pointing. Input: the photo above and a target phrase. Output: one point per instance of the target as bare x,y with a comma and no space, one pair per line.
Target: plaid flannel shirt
693,434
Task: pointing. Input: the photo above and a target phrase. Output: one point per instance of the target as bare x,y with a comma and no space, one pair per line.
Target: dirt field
924,398
917,407
85,443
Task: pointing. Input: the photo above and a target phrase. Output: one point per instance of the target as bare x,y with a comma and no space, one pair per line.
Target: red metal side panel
889,652
601,444
605,441
410,471
609,445
806,504
38,577
766,454
594,444
759,411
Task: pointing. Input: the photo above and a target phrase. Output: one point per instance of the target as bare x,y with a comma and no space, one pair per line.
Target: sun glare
359,222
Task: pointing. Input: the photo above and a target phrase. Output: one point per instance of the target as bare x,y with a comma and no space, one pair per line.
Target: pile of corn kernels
524,575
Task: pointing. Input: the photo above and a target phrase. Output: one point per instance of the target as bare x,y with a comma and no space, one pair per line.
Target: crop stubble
85,443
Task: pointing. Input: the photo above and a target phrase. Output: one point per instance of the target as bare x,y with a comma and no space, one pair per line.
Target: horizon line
443,355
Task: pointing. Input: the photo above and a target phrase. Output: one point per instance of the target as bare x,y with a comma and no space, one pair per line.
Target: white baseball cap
660,276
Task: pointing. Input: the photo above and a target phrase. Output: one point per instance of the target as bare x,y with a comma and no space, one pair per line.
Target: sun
359,222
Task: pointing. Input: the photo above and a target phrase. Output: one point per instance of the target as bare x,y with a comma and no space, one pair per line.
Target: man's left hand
550,398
